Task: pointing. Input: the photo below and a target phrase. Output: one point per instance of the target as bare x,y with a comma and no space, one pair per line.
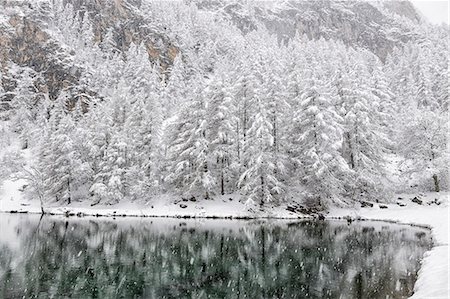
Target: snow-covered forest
212,101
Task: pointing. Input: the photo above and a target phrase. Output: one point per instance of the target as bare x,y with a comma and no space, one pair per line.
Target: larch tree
57,153
259,181
424,95
98,123
222,134
318,132
364,138
175,91
189,150
25,103
243,90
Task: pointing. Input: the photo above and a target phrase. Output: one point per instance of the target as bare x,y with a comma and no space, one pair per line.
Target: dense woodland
236,112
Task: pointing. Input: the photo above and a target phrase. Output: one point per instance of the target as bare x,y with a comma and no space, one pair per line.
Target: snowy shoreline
433,278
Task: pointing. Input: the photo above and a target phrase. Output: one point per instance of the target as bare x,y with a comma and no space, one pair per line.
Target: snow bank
433,275
161,206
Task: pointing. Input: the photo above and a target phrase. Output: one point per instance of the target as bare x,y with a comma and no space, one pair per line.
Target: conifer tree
259,181
318,132
221,118
189,151
364,138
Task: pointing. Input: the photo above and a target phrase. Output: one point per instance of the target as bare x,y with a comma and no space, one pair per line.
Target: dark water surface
56,257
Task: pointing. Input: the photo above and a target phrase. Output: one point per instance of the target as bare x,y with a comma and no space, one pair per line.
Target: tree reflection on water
168,258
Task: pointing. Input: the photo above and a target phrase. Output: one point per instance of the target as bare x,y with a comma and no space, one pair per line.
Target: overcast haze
435,11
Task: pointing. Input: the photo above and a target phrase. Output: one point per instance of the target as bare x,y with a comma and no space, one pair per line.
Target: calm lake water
56,257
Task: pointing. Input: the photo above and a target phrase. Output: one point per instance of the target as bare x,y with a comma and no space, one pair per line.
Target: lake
58,257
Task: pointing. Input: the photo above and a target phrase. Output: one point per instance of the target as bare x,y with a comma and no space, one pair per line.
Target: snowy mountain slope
376,26
27,26
32,35
132,99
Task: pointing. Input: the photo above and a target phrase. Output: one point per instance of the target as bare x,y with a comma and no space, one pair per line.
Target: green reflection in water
54,257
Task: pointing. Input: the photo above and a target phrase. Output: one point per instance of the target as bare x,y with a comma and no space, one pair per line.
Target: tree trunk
238,141
274,133
436,183
25,144
205,171
41,201
262,192
222,188
352,159
68,187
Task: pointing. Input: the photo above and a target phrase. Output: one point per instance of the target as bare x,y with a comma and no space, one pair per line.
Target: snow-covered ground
433,280
161,206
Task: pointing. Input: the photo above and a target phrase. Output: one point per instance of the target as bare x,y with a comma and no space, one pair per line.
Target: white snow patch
433,275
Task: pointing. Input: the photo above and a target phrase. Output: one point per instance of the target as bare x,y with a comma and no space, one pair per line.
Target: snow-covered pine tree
81,161
295,85
278,106
4,104
143,120
110,179
98,123
106,70
25,103
259,181
153,127
384,105
138,131
364,138
318,132
398,74
439,72
86,33
243,89
189,152
424,95
221,120
175,92
115,168
57,153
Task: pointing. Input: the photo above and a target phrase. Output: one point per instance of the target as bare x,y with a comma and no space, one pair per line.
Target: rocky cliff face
26,41
129,25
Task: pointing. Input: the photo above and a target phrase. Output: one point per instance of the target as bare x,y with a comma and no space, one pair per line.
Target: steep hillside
34,34
28,38
376,26
327,102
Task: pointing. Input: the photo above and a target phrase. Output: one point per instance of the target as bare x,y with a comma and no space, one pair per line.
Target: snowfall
433,280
